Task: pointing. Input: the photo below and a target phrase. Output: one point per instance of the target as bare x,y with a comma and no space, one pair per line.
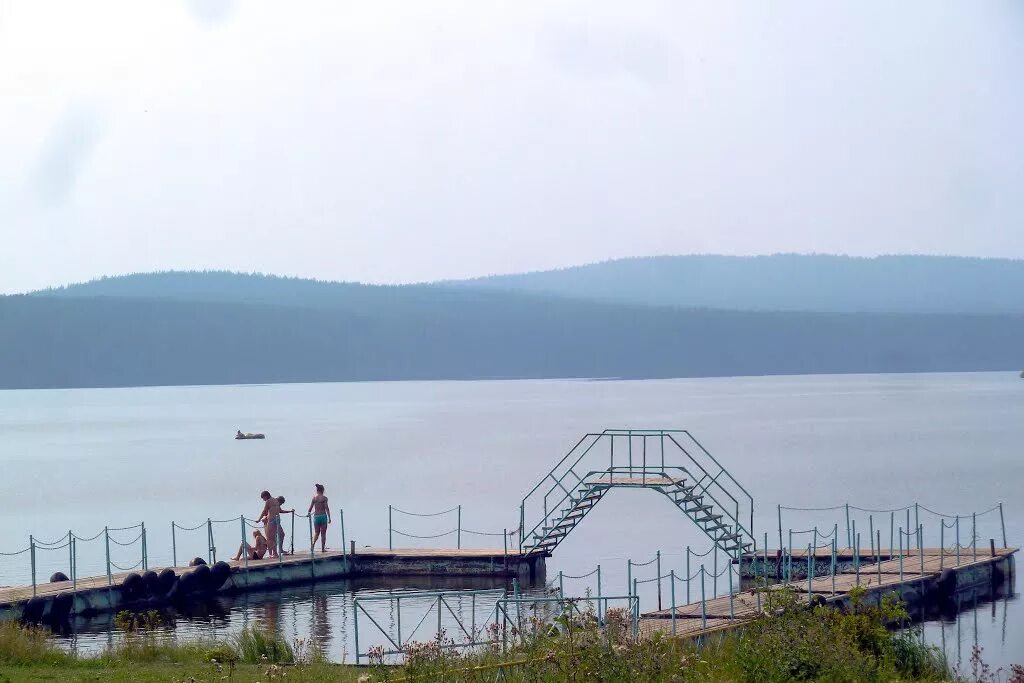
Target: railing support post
917,524
901,557
32,561
672,591
779,507
209,541
703,601
878,558
810,593
942,542
1002,524
600,612
849,536
344,544
245,553
174,544
974,535
71,559
390,543
74,563
657,557
687,575
145,553
106,542
458,527
957,540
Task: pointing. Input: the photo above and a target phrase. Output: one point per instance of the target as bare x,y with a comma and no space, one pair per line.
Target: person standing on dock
271,518
321,518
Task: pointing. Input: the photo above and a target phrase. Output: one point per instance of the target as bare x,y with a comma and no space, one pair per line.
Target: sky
396,141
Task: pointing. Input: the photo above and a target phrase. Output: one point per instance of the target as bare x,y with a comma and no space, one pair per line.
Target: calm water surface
83,459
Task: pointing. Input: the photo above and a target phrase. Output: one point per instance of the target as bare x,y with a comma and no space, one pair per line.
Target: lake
85,459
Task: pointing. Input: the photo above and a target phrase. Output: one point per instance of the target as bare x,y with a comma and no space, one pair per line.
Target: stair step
707,518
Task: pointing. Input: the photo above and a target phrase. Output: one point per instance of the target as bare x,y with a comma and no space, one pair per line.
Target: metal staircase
671,462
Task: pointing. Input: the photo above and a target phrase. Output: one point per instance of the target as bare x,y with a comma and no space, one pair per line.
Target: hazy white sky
401,141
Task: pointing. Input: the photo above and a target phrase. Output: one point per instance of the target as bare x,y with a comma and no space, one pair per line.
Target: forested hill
217,328
788,282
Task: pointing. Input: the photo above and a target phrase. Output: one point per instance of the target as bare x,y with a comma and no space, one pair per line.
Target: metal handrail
715,482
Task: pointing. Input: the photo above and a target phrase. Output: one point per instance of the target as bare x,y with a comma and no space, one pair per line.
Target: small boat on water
249,435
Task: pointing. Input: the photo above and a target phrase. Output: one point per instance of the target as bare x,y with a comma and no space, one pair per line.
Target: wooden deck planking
12,594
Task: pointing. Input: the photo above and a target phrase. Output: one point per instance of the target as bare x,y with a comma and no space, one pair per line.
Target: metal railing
654,458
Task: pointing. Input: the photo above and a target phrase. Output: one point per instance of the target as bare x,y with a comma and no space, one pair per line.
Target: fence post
916,524
209,541
714,564
901,556
32,561
657,557
942,542
174,544
629,575
732,614
390,544
293,537
780,528
561,586
871,533
856,559
1002,524
145,558
312,549
106,541
703,601
245,552
344,546
672,592
958,540
687,575
600,613
974,535
849,537
74,563
458,527
71,559
522,525
810,593
833,572
878,558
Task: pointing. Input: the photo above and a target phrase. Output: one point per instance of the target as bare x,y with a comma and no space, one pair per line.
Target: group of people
270,517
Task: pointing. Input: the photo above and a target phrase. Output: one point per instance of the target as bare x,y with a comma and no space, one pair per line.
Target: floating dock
917,578
56,602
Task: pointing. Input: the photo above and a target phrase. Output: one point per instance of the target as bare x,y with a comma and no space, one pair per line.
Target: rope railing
915,508
444,533
426,514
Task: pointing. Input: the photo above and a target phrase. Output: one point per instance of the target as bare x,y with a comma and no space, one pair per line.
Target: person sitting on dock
280,500
253,552
271,518
321,518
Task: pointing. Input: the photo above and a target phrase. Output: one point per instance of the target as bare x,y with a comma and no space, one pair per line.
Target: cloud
65,152
211,12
